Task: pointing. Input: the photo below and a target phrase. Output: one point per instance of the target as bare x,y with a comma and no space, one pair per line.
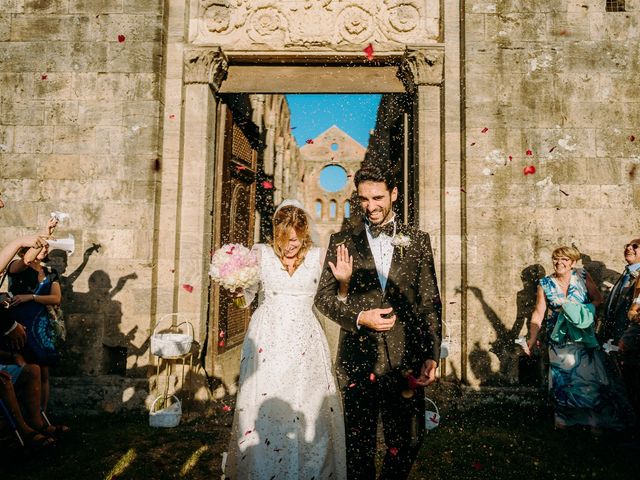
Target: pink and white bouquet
234,266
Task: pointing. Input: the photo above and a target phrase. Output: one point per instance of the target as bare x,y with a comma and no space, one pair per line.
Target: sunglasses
634,245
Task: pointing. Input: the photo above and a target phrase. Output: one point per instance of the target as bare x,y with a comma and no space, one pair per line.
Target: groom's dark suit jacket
411,290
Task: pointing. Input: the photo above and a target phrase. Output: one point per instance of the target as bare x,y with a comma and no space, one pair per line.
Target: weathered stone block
74,139
143,6
18,166
33,139
23,112
133,57
61,113
45,6
95,6
12,6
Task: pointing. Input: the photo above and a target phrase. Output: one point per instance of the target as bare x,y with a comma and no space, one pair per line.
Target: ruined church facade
516,134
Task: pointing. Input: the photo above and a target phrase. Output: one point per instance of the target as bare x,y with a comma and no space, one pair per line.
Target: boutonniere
401,240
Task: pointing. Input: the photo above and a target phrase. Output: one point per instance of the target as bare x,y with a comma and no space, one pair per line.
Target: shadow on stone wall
95,344
513,367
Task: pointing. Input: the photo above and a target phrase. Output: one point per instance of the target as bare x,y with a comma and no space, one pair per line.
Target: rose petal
121,38
372,377
267,185
484,130
187,287
510,158
529,170
226,408
44,76
309,141
631,138
352,385
172,117
260,350
221,343
473,143
529,153
248,432
221,334
368,50
393,451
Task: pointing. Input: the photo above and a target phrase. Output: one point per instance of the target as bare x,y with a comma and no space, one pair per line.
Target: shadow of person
480,364
59,260
95,343
504,347
267,444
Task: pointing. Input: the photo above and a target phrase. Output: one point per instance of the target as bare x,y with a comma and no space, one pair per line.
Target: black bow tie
387,229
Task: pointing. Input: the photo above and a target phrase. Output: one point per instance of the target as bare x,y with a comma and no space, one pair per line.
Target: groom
390,335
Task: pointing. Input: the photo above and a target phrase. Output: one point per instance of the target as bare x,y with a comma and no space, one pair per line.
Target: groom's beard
384,220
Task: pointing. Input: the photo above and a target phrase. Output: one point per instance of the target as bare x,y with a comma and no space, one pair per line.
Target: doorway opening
274,146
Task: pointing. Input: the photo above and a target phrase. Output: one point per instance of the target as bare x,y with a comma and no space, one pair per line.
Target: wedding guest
583,390
34,286
629,358
619,300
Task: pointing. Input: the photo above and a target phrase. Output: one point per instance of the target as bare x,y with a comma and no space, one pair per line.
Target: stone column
205,69
421,71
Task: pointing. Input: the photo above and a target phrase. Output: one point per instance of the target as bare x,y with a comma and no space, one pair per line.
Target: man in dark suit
390,329
617,305
616,326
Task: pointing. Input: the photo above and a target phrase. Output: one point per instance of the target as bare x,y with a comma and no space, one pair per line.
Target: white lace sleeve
251,292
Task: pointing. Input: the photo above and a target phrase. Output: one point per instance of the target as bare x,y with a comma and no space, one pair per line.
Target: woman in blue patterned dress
584,389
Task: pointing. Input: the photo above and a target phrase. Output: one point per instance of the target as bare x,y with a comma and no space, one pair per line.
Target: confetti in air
226,408
368,50
309,141
187,287
221,343
393,451
172,117
484,130
529,170
121,38
632,138
529,153
267,185
44,76
372,377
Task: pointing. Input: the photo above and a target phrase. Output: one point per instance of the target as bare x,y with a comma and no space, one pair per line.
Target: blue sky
312,114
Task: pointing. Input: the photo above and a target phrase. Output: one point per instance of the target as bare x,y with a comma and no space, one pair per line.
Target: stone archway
245,54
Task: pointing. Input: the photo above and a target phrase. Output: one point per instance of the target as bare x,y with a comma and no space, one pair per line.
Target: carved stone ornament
422,66
316,25
205,65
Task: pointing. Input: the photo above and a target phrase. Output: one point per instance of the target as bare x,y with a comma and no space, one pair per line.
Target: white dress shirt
382,251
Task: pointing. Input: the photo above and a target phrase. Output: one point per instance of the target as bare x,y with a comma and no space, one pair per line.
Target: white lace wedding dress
288,421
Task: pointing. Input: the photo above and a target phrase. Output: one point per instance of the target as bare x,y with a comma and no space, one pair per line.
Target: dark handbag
41,337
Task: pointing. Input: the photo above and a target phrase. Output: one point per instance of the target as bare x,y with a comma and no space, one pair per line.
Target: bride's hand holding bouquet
235,267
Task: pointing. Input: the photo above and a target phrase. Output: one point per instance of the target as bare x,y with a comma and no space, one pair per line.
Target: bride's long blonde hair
285,219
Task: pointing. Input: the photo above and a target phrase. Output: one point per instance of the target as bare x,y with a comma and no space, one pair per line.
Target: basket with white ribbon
168,416
172,344
431,417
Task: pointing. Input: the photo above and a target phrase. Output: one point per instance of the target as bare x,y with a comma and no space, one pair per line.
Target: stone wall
79,109
552,86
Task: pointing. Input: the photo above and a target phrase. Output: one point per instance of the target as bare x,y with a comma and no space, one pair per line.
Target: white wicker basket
171,345
166,417
431,417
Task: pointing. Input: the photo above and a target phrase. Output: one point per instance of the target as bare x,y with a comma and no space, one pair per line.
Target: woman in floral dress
584,388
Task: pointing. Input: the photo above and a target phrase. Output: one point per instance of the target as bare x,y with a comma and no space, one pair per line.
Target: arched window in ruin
318,207
333,209
347,209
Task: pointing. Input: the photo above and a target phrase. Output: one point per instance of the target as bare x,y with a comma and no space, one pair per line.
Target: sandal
55,431
37,441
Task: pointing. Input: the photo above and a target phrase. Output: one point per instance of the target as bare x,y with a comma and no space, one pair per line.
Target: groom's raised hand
378,319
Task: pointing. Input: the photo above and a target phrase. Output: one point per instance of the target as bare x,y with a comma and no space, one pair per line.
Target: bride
288,420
